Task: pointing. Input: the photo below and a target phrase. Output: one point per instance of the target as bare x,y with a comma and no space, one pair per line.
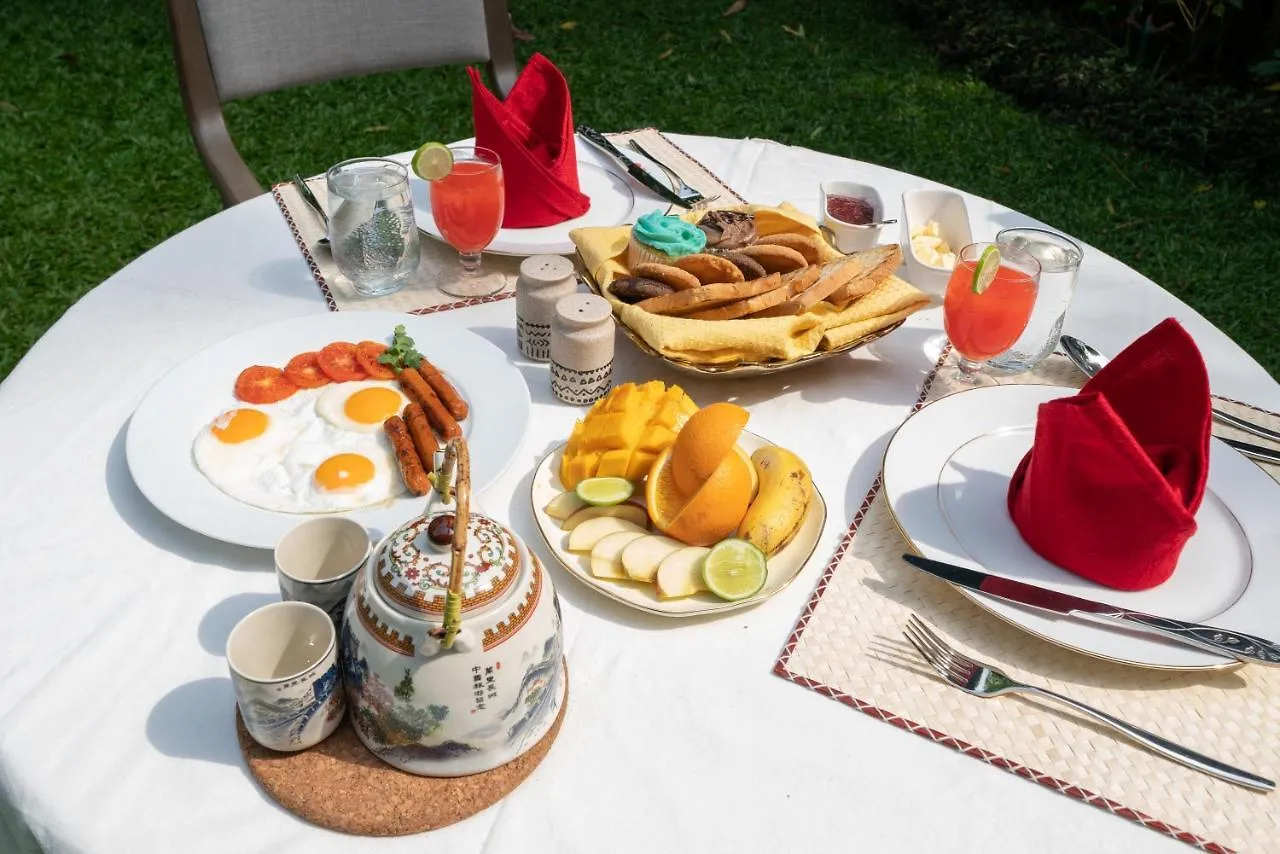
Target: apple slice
633,513
564,505
592,531
641,557
680,573
606,555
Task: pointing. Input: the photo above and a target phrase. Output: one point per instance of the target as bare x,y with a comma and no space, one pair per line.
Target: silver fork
678,184
981,680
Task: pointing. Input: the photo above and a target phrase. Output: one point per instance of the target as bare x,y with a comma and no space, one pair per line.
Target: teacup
284,668
317,562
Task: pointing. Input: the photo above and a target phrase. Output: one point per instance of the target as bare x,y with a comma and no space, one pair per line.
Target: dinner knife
1253,452
635,170
1236,645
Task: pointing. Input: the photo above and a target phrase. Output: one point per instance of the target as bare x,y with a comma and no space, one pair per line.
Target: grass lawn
97,165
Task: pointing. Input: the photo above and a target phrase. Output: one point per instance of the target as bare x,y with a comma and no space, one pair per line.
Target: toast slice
749,305
831,278
709,296
878,264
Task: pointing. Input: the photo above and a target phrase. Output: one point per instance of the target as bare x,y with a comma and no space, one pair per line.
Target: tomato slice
262,384
338,361
304,371
367,353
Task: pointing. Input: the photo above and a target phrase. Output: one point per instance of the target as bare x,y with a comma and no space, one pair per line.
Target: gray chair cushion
260,46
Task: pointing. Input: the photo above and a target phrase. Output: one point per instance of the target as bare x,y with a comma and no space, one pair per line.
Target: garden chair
230,49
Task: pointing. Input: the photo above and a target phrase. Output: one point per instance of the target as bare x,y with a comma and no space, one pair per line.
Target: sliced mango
624,432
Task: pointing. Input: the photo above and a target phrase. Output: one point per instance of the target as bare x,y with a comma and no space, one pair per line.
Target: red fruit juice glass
467,205
985,313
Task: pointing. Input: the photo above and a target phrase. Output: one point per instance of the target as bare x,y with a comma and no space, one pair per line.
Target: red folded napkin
1110,488
532,134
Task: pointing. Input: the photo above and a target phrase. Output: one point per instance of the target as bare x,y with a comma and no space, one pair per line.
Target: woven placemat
340,785
420,295
439,261
848,645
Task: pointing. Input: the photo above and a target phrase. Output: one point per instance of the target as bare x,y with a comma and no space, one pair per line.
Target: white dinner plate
163,427
612,203
783,566
946,478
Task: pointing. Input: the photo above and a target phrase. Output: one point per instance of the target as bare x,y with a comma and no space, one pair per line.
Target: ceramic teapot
452,648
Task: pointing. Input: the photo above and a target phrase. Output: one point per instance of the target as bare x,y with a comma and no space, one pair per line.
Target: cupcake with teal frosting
659,239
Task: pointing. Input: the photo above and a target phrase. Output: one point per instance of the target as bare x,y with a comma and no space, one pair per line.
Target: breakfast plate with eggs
261,431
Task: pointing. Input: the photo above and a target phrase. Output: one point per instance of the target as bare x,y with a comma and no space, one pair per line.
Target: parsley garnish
400,354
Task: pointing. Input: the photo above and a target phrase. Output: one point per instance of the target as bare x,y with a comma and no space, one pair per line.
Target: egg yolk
344,471
240,425
372,405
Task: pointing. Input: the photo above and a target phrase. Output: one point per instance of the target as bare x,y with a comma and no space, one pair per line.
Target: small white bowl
949,211
848,236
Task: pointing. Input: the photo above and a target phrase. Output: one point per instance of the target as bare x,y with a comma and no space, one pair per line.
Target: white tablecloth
116,713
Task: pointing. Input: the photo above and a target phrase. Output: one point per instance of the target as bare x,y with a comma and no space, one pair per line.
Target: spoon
310,198
831,235
1090,361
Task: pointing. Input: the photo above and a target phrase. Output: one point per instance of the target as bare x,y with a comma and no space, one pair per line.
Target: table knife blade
635,170
1246,648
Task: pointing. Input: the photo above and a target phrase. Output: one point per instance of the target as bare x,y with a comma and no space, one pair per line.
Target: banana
785,490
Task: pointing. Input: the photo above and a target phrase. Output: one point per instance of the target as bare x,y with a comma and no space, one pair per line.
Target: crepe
747,340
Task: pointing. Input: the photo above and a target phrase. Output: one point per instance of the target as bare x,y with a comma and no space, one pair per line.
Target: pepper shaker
543,280
581,348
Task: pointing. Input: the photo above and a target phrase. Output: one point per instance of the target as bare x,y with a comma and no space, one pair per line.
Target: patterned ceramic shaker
581,348
543,280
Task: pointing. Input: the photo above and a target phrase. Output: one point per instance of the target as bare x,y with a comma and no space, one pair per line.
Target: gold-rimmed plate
946,480
784,565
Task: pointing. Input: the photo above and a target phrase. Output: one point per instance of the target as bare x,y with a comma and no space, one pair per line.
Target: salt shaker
543,280
581,348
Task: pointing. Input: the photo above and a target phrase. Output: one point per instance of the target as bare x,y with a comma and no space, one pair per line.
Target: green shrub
1070,74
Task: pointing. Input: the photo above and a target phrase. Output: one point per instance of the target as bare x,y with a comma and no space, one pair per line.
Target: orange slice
703,442
711,513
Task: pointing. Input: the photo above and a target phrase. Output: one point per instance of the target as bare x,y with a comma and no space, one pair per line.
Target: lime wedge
432,161
985,272
734,570
605,491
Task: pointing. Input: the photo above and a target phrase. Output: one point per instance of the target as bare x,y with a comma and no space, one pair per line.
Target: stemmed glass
467,205
984,325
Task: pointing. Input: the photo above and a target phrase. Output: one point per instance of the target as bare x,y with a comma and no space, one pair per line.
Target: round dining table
117,717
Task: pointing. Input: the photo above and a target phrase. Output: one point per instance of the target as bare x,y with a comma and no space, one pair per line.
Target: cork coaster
340,785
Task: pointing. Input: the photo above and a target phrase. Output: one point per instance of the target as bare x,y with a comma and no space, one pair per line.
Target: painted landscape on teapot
493,708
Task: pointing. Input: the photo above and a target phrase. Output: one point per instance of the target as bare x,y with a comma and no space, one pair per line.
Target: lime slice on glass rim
985,271
605,491
734,570
432,161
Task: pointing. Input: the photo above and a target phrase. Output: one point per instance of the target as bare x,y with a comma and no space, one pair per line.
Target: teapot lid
412,570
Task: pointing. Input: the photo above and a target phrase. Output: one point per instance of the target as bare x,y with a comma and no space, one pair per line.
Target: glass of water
371,227
1059,259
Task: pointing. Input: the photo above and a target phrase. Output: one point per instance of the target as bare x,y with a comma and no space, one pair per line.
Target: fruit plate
784,566
736,369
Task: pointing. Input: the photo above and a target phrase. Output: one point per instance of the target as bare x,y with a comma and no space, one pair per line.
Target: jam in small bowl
851,213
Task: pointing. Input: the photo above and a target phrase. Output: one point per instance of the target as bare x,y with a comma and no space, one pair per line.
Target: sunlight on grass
99,166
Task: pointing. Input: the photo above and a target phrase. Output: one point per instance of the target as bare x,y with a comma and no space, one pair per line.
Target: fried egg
293,458
360,407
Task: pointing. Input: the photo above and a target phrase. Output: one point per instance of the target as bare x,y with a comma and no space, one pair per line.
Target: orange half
703,442
711,513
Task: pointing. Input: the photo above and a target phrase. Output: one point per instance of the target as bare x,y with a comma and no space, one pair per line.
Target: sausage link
415,476
420,393
444,390
423,439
